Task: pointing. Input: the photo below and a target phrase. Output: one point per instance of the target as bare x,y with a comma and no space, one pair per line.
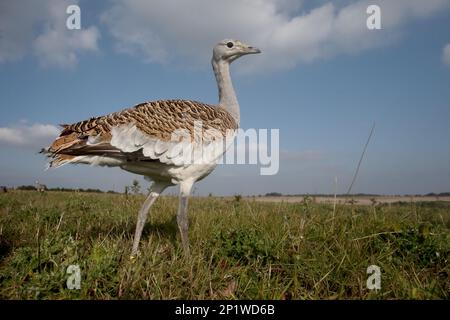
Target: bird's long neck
227,96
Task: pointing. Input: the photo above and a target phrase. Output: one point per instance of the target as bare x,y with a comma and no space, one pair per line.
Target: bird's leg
155,191
182,215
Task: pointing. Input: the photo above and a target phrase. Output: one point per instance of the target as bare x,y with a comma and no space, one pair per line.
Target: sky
323,78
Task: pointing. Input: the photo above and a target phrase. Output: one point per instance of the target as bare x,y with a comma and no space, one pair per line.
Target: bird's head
229,50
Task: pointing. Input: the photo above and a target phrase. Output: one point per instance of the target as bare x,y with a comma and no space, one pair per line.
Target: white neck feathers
227,96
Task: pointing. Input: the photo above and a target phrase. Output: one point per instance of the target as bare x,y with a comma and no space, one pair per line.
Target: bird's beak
243,49
251,50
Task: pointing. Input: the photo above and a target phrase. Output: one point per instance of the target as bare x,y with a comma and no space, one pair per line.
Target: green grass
239,249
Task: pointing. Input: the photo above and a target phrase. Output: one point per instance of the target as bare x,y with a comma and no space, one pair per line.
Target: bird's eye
230,44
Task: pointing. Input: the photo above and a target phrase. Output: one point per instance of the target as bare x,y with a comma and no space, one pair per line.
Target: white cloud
35,135
39,27
55,48
288,32
446,55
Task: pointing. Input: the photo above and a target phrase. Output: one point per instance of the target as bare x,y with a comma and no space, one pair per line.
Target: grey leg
182,215
155,191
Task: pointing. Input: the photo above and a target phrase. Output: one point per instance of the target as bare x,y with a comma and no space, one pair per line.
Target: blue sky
320,80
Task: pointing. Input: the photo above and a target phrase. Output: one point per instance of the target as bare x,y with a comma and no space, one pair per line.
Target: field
240,248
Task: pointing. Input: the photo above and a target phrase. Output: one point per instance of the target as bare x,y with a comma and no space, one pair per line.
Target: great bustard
142,140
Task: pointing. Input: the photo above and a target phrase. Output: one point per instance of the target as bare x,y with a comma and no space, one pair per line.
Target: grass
239,249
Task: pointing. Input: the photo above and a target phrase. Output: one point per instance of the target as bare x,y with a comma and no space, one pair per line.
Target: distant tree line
135,188
273,194
277,194
442,194
29,187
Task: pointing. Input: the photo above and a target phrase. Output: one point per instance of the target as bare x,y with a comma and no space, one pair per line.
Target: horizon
269,194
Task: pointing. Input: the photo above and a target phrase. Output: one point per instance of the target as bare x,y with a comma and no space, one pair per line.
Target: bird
157,139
